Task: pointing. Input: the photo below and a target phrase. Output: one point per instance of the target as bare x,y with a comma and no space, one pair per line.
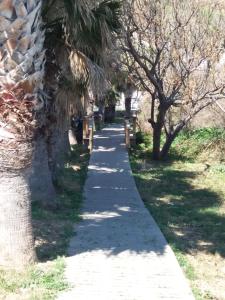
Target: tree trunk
166,147
128,107
16,239
42,189
157,132
58,149
22,62
66,144
169,140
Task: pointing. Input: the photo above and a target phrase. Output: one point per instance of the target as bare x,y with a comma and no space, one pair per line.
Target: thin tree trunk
66,143
153,109
128,107
166,147
169,140
157,132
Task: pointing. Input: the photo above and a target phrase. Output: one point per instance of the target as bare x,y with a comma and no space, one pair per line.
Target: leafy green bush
143,138
191,144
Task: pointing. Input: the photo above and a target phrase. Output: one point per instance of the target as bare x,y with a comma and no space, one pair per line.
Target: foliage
78,34
201,143
175,50
83,27
112,97
91,29
191,144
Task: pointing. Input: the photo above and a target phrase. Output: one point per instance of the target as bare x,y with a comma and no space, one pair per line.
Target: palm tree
21,104
78,34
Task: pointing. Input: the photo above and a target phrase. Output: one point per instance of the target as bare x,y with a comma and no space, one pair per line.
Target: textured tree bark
169,140
16,238
166,147
66,143
157,132
22,60
58,149
42,189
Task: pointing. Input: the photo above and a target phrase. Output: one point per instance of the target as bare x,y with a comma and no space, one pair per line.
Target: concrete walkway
118,251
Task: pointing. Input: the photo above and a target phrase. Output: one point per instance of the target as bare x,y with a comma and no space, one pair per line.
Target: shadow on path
118,251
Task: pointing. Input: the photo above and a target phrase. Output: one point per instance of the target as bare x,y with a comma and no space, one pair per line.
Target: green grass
204,144
53,229
37,282
186,196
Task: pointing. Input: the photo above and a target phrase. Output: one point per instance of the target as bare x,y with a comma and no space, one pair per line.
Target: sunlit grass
42,281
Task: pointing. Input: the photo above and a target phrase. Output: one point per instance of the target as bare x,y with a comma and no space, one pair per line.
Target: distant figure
98,117
77,127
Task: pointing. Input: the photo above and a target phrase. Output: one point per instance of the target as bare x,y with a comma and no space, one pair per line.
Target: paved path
118,251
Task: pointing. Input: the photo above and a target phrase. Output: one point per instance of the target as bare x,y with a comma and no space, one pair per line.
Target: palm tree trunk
16,238
42,189
21,100
58,149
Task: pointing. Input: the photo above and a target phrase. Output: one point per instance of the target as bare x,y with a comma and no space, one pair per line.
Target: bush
200,144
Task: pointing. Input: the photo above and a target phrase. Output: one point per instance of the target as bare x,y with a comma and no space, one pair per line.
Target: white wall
136,97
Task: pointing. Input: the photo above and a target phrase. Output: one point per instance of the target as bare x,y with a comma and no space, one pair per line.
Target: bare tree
175,50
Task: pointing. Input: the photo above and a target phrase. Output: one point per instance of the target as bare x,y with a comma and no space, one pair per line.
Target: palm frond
87,72
91,30
83,30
